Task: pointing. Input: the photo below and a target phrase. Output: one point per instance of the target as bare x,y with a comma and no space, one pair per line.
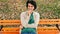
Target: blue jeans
28,31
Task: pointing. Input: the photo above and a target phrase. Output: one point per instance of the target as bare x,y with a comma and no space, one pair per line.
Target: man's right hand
21,27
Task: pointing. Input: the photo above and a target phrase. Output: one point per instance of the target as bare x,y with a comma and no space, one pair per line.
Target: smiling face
30,7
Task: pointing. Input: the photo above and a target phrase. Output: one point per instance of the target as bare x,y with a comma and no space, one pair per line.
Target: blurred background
11,9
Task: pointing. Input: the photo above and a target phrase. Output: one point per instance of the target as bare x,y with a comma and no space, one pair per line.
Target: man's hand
21,26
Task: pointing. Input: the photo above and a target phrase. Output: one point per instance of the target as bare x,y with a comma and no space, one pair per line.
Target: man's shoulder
23,13
36,13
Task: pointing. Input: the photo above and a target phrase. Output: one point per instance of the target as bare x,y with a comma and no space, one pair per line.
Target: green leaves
3,0
11,9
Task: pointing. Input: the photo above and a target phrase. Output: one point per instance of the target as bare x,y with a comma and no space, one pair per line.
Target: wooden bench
10,26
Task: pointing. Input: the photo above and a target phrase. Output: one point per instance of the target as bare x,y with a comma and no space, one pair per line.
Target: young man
30,18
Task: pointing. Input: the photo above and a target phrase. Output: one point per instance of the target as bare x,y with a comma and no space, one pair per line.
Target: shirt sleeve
23,20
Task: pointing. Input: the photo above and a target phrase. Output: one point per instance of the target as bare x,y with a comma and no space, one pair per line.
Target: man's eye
30,6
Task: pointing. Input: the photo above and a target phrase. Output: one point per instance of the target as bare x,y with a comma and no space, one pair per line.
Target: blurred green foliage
11,9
